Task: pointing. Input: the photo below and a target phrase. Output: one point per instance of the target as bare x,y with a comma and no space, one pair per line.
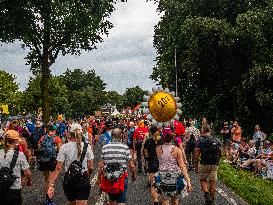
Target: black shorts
48,166
12,197
152,167
80,191
130,145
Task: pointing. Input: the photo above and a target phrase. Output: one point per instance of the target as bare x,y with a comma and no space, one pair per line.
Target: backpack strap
83,152
14,159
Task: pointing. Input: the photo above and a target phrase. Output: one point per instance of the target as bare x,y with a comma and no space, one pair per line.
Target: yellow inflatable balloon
162,106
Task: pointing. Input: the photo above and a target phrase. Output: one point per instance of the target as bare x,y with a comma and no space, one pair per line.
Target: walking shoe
208,200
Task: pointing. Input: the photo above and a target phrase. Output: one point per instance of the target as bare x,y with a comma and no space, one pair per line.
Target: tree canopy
221,47
133,96
48,28
8,88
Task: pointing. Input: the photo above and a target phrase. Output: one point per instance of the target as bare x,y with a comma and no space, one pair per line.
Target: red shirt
139,133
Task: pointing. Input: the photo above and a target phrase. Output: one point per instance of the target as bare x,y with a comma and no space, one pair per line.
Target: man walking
139,138
208,153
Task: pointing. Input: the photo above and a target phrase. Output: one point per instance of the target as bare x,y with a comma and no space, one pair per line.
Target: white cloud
124,59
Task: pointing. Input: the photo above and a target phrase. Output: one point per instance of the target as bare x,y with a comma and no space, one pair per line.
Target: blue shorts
121,198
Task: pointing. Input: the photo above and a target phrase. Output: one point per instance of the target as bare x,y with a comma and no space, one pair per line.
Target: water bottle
157,180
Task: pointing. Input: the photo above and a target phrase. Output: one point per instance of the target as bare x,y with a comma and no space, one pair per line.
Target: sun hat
12,134
75,127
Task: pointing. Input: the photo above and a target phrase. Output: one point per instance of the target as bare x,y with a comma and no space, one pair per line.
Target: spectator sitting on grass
261,159
252,150
266,156
233,152
243,151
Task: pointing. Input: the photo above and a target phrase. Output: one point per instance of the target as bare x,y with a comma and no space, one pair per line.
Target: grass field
253,189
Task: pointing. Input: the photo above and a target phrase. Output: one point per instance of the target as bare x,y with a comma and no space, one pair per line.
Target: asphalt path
138,192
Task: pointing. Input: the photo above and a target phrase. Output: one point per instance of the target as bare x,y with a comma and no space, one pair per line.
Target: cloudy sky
125,58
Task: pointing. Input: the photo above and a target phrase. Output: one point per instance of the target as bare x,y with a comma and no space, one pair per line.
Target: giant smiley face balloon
162,106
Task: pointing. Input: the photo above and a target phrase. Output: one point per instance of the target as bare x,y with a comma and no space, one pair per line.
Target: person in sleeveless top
171,160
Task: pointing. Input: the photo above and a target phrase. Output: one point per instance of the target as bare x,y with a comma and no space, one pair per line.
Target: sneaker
48,201
226,161
208,200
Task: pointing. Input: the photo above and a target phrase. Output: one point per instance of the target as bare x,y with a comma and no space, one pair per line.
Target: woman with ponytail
69,156
11,155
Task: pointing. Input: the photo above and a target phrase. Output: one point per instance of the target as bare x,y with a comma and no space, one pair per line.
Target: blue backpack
38,133
47,151
105,139
31,127
130,136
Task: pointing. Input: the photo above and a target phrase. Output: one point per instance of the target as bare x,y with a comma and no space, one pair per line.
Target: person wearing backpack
189,150
105,137
151,160
12,162
172,177
77,159
208,153
130,139
48,146
113,173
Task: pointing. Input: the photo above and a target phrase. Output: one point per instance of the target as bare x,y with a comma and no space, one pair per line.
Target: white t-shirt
21,164
69,153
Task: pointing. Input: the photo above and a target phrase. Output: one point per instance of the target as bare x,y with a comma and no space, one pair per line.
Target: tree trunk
45,87
45,68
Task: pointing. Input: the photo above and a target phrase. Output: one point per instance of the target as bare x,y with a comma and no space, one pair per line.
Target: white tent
116,112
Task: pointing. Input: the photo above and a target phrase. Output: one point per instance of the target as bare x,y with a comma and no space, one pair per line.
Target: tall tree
217,45
49,27
86,91
133,96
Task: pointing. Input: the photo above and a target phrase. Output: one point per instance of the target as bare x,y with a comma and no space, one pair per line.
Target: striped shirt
116,152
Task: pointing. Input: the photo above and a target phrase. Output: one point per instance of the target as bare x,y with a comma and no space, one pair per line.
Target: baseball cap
141,124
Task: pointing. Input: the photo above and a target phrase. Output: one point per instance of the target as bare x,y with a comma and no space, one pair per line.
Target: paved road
138,193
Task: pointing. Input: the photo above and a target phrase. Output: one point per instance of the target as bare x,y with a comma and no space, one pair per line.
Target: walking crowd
129,147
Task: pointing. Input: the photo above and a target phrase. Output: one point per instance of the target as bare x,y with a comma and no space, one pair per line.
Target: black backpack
210,150
7,177
74,172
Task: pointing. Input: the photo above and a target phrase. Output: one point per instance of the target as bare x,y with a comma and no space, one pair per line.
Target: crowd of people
129,146
255,154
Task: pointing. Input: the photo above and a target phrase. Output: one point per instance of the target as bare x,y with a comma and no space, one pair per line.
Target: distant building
108,108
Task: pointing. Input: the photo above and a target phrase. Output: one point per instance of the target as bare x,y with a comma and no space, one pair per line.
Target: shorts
80,191
121,198
48,166
208,172
12,197
152,167
130,145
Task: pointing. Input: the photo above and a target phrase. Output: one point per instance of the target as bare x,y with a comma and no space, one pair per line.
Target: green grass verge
253,189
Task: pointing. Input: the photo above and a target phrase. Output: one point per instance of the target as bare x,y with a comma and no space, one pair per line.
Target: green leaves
133,96
218,45
8,88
